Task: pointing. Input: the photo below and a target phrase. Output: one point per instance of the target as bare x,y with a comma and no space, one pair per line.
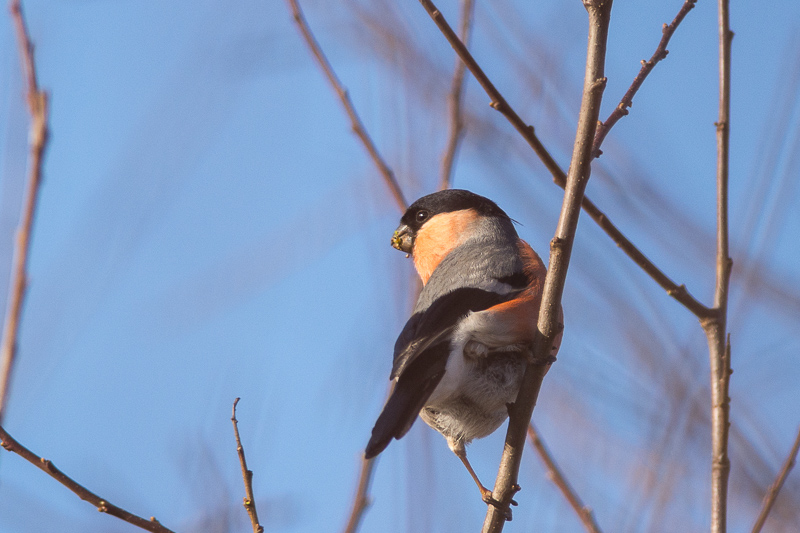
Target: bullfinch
459,361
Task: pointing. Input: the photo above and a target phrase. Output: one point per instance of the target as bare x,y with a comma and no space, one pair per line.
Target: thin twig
719,344
247,475
102,505
557,477
37,104
560,253
361,500
498,102
627,100
355,120
775,488
455,100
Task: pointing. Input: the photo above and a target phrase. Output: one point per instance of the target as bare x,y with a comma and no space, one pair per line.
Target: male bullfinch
459,361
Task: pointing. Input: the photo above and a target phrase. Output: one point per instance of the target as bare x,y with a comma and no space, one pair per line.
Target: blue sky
209,228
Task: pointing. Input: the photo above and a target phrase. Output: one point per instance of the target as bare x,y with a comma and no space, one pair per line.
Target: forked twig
455,100
775,488
355,120
37,104
498,102
8,442
247,475
647,66
556,476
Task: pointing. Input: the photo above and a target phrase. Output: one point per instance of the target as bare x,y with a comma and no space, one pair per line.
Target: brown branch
8,442
37,104
344,97
775,488
719,344
647,66
498,102
247,475
557,477
361,500
560,253
455,100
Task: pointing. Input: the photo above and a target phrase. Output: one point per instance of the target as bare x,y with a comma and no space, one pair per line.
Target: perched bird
459,361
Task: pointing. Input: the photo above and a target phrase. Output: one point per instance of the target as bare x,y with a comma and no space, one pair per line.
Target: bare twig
37,104
627,100
774,489
498,102
557,477
560,253
455,99
719,344
247,475
361,500
355,120
8,442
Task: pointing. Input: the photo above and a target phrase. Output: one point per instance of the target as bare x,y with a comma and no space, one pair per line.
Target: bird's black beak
403,239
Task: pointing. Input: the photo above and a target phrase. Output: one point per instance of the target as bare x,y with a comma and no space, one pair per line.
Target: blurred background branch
37,106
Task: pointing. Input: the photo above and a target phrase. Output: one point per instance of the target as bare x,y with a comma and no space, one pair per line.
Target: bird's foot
488,498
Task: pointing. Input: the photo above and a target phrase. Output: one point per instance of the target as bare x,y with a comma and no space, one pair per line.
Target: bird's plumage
460,358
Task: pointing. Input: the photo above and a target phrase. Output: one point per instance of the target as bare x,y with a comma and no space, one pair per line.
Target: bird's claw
489,499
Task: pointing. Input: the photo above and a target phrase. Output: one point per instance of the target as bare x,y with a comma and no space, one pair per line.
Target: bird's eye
422,216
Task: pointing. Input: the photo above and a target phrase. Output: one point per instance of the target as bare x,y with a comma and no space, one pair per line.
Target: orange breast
437,238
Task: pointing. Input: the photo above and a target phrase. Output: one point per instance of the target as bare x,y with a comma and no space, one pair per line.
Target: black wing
420,359
437,322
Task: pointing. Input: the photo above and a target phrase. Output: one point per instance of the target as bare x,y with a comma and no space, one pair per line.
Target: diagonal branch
455,100
556,476
344,97
37,104
8,442
247,475
560,254
647,66
774,489
498,102
362,499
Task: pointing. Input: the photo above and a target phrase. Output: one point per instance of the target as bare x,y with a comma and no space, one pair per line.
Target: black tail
401,410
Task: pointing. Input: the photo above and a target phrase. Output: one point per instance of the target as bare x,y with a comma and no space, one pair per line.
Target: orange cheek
438,237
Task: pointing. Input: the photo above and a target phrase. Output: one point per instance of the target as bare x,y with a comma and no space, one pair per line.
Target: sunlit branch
715,327
455,100
647,66
498,102
556,476
560,252
37,105
344,97
82,492
247,475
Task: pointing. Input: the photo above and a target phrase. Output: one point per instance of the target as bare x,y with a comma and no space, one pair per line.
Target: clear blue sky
209,228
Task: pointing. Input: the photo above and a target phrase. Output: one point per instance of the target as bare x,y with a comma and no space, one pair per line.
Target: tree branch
560,253
355,120
719,345
247,476
361,500
557,477
498,102
455,99
37,104
8,442
647,66
774,489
